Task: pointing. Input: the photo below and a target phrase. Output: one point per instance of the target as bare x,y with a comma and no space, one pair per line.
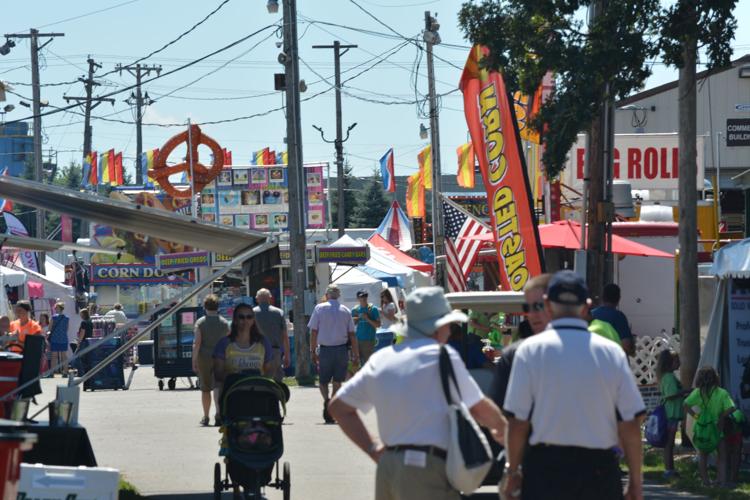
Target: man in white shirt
576,391
402,384
118,314
331,331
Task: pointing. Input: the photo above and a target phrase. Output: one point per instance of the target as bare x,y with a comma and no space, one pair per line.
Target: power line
81,16
161,75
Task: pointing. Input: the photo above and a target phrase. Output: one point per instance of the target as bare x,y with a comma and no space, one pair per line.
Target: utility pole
600,210
89,103
34,37
297,221
139,71
432,38
689,326
339,142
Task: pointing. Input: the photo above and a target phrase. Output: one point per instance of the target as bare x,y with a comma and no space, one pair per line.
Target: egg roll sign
492,125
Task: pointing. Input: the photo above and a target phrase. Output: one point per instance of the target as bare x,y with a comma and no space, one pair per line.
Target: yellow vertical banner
425,166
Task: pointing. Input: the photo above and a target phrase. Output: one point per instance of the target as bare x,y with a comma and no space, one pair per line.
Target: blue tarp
389,279
733,260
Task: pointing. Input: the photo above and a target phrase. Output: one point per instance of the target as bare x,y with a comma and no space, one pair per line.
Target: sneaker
327,416
204,422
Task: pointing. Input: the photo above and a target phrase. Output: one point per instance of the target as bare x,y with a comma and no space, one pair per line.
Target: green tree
528,38
686,27
69,177
372,204
350,198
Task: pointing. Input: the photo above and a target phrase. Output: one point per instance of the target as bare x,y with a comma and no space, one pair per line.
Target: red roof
399,256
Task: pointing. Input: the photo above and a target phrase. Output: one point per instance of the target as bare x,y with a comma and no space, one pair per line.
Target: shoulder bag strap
447,374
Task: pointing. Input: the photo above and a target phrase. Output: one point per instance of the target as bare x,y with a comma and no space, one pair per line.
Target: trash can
14,440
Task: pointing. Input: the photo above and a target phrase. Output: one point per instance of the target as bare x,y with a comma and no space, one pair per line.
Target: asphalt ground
154,439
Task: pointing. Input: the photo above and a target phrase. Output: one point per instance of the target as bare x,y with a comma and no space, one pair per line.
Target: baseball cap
567,287
361,293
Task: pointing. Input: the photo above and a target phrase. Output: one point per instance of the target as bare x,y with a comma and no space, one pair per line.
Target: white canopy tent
727,345
350,280
9,277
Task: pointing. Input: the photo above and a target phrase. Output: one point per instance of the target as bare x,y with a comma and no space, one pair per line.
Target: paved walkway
154,439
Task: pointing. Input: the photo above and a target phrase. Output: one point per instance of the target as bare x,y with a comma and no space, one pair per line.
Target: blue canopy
389,279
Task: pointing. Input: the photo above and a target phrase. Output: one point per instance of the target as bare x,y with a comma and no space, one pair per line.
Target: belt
430,450
329,346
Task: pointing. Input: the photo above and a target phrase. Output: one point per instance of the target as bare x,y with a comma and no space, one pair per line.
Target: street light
5,48
272,6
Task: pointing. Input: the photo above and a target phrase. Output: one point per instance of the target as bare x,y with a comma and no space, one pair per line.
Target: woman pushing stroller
244,349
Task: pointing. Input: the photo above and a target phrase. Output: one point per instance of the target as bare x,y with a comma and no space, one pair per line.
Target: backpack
656,427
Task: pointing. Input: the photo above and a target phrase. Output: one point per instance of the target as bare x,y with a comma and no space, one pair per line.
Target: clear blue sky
128,30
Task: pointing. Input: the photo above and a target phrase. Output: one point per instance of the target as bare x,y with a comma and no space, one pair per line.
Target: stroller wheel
287,482
217,481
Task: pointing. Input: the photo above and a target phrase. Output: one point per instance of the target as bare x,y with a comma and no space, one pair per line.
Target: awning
567,234
389,279
733,260
131,217
12,277
397,255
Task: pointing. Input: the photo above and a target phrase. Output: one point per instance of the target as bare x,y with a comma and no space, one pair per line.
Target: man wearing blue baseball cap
571,397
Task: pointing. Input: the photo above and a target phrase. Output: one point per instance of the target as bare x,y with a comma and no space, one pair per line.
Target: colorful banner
15,227
415,195
66,228
258,198
492,125
424,158
119,179
465,175
387,172
147,163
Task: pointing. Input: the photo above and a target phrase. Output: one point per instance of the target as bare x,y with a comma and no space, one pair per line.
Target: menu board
257,197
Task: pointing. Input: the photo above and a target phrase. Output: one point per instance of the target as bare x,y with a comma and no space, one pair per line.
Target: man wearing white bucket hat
402,383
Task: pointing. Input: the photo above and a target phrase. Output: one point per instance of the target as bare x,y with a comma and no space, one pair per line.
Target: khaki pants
366,348
396,481
277,371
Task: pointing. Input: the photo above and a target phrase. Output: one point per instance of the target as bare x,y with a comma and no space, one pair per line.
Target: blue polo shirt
365,331
614,317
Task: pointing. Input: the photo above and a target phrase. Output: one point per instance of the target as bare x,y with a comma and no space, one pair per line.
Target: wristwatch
513,471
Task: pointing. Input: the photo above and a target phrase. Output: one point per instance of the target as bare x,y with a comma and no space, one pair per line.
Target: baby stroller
252,409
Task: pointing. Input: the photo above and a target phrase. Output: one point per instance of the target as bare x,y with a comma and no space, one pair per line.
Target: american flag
460,252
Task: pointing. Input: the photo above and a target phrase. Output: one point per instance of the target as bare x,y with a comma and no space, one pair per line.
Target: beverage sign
352,256
647,161
738,132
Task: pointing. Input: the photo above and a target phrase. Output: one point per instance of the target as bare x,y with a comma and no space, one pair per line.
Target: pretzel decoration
202,175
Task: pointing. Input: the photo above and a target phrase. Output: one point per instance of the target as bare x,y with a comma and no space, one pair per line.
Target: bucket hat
427,309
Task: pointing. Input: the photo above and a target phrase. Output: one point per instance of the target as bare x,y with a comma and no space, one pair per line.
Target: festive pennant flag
282,158
106,173
425,165
227,157
119,180
387,172
415,195
465,174
146,164
5,205
492,124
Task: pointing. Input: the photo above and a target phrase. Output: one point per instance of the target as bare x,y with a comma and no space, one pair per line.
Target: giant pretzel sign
202,175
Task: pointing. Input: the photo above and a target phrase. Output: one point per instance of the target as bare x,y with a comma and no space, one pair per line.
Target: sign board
286,256
738,132
647,161
138,274
220,258
350,256
182,260
742,107
738,328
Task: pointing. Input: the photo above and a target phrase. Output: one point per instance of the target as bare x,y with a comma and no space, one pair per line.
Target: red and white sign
647,161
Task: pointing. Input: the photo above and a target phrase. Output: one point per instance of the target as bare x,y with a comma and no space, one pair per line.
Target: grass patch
689,480
293,382
128,492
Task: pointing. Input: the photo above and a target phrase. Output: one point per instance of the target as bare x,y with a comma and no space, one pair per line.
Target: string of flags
102,168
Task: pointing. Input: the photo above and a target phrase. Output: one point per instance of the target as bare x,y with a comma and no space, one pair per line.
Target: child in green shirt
671,397
713,404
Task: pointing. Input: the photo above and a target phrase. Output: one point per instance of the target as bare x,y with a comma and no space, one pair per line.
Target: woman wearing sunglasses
244,349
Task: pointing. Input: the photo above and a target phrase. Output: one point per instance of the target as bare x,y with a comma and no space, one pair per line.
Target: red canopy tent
379,242
567,234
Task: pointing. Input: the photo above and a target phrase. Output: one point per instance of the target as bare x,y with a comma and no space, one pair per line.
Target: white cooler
53,483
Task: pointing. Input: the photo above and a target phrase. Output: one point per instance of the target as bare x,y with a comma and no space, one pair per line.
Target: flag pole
193,208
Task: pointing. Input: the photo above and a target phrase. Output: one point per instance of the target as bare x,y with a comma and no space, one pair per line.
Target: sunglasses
245,316
535,306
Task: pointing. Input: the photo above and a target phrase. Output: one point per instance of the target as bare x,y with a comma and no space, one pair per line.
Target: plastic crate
63,483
